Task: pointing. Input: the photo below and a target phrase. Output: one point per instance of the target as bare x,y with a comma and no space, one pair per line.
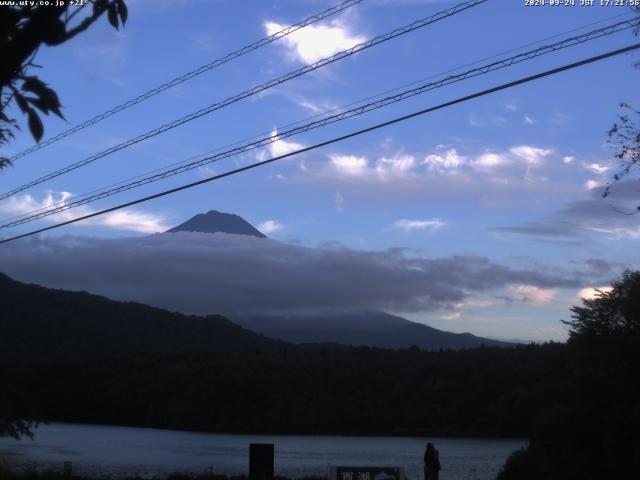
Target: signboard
366,473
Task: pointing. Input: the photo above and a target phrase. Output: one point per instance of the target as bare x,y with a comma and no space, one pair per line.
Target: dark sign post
367,473
261,461
67,469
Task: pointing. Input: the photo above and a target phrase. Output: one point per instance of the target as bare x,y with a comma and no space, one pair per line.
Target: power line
253,91
450,103
336,109
265,141
192,74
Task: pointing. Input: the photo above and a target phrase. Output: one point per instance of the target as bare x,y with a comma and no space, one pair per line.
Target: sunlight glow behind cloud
315,42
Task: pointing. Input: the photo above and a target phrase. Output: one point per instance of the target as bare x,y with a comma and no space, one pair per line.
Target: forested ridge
49,324
480,392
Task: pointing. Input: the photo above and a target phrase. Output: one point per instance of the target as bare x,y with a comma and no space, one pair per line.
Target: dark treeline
480,392
591,430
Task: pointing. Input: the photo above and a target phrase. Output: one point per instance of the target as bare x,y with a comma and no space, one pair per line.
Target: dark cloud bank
220,273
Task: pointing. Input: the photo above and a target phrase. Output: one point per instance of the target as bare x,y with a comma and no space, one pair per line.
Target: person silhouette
431,463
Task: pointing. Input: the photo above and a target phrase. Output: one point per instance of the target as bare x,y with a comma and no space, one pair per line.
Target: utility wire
192,74
253,91
306,119
267,140
466,98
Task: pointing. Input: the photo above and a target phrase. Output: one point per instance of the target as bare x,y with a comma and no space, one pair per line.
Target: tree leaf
35,125
99,6
123,11
40,104
35,85
112,14
22,103
4,162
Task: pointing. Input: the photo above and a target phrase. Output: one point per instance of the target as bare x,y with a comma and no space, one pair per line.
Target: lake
116,451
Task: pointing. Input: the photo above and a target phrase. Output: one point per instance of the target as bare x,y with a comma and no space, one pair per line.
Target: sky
485,217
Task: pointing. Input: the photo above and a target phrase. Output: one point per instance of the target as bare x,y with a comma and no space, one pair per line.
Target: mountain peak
214,221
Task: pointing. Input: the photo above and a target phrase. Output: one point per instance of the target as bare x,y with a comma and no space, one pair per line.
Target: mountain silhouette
38,322
358,328
214,222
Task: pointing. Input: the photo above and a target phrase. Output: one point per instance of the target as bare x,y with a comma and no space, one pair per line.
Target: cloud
593,184
593,215
531,155
315,42
397,166
597,168
209,273
452,316
270,226
450,161
277,147
410,225
528,120
314,106
349,164
127,219
442,171
489,161
338,201
532,294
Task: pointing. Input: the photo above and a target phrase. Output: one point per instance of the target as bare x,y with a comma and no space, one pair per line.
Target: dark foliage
624,137
613,312
23,30
593,429
485,392
14,409
47,324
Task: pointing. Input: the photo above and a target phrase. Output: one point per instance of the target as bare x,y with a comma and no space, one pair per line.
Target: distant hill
372,328
38,322
214,222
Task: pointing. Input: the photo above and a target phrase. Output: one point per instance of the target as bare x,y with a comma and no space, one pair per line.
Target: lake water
116,451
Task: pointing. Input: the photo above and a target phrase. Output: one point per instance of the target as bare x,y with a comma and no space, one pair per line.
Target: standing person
431,463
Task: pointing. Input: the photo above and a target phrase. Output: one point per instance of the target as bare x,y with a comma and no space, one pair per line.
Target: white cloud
528,120
270,226
443,170
531,155
568,159
489,160
592,184
313,106
596,168
349,164
397,166
315,42
532,294
450,161
128,220
277,147
410,225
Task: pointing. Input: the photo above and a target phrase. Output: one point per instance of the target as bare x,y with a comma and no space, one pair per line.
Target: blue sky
514,177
